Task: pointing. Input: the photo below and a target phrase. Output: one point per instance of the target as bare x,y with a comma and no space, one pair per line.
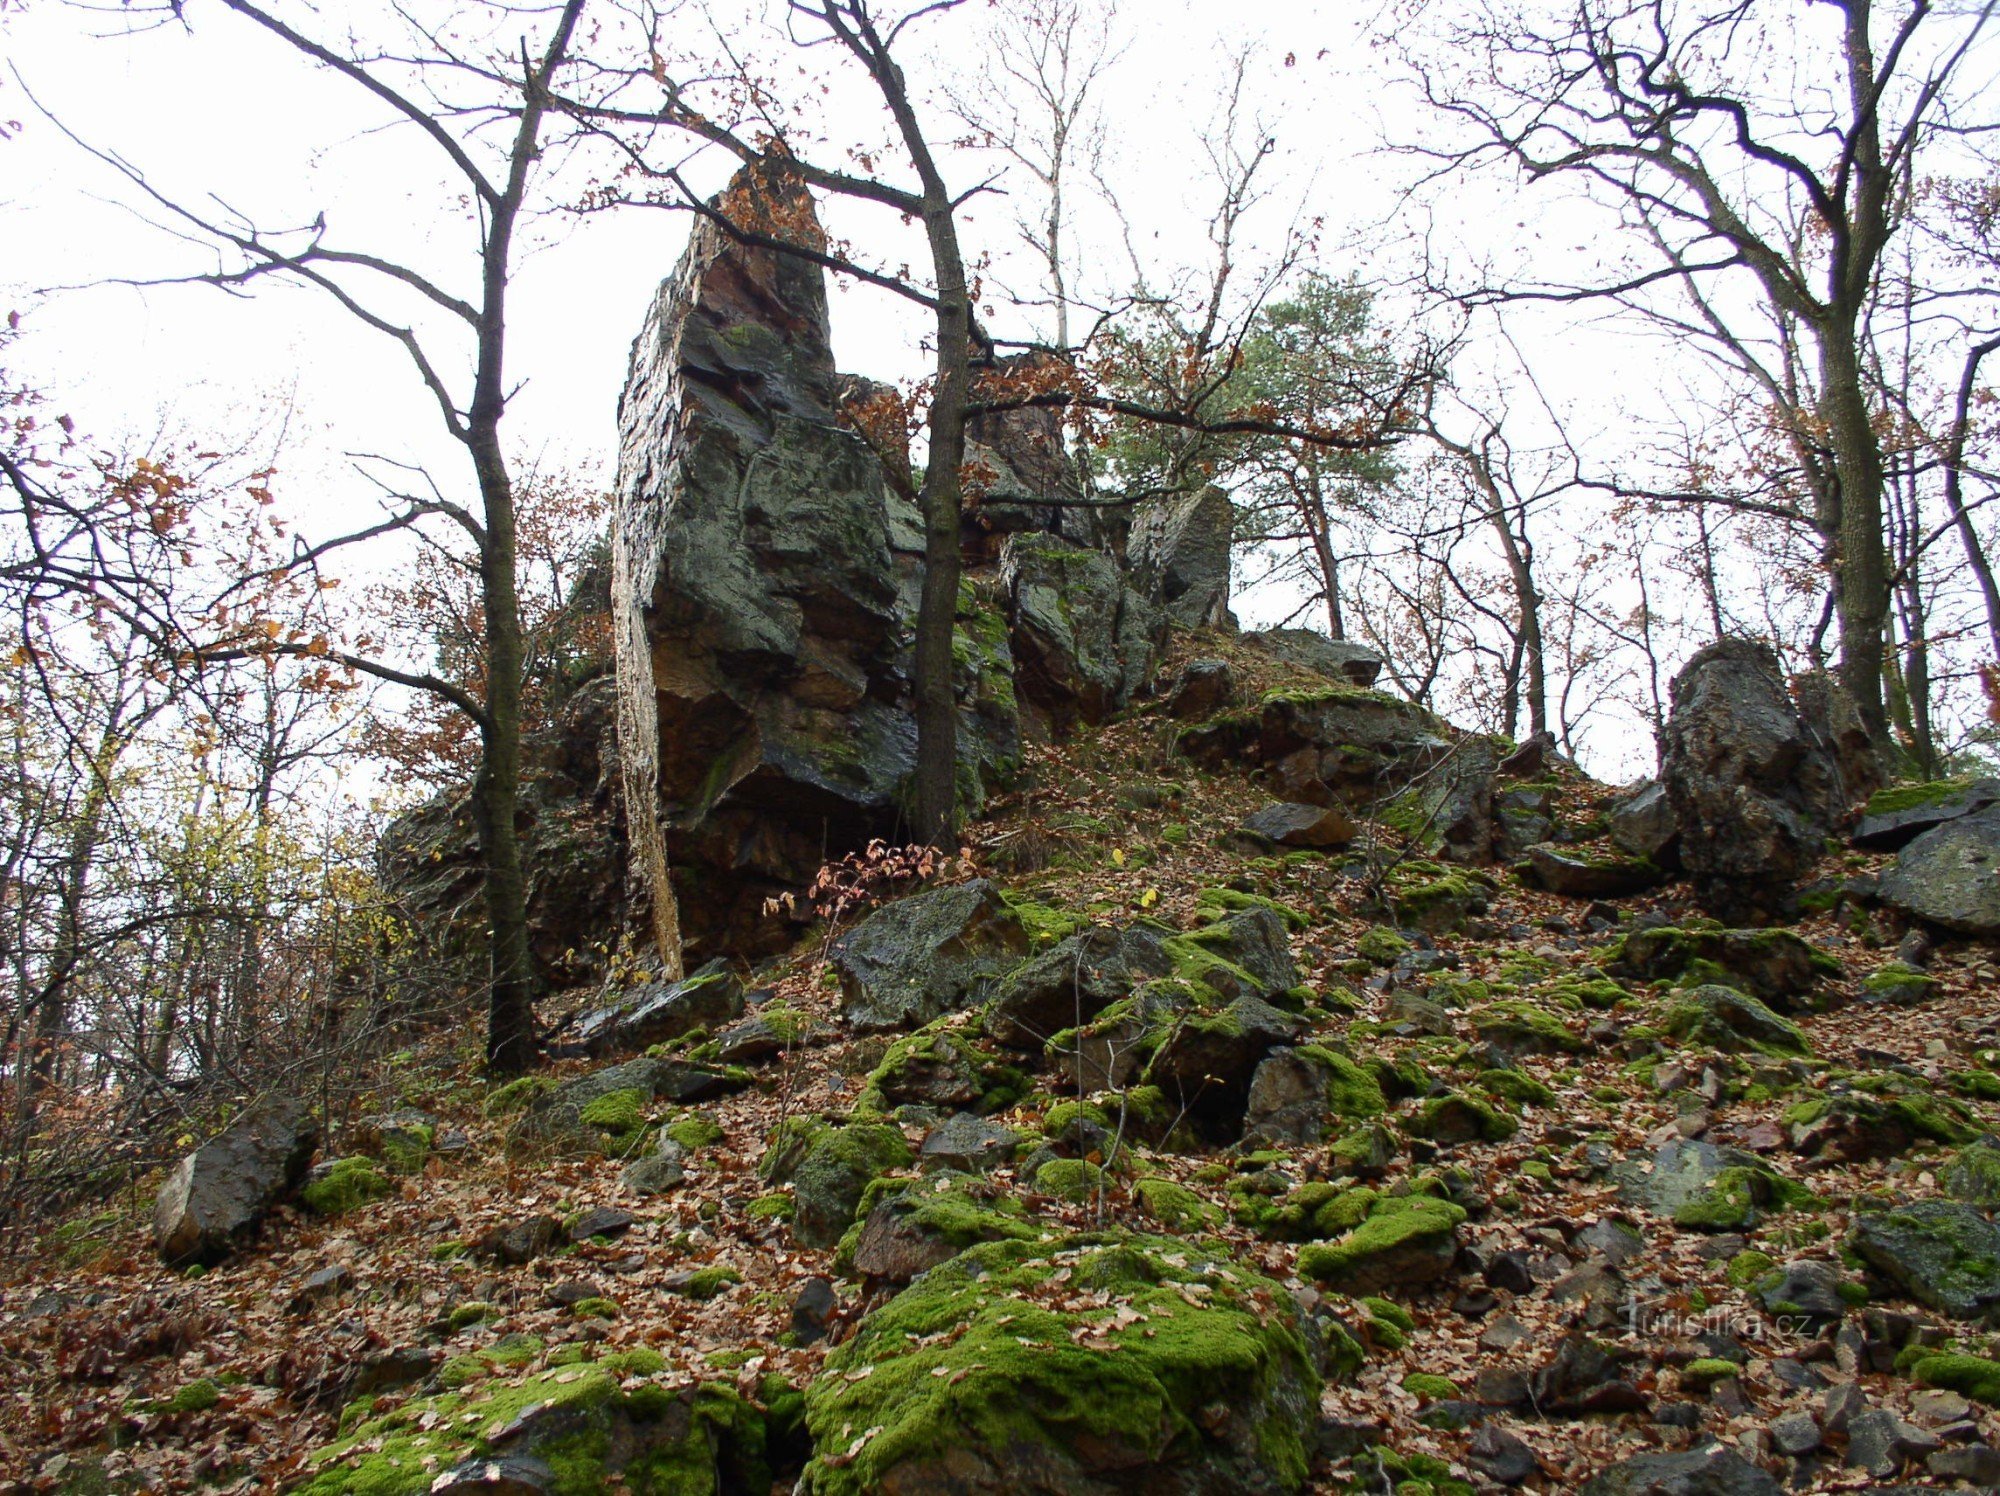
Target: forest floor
117,1374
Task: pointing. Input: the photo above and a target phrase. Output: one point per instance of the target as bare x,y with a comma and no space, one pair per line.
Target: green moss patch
346,1184
1106,1351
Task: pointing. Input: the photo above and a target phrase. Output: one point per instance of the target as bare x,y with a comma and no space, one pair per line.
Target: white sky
224,110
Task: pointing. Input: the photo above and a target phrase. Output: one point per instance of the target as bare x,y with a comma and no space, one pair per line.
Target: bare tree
451,102
1768,211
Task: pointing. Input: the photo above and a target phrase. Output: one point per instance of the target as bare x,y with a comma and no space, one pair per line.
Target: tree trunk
510,1029
1861,576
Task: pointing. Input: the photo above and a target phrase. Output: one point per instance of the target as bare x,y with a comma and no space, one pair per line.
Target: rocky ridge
1295,1093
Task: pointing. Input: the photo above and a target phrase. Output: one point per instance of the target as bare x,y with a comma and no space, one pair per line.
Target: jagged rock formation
766,577
1754,793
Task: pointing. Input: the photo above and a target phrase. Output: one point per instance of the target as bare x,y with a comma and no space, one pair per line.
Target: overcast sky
218,113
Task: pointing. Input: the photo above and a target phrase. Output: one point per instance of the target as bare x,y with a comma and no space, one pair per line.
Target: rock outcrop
766,576
1950,876
1753,793
220,1192
1180,550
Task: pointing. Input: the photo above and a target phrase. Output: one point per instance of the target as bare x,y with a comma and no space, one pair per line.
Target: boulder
931,1220
658,1172
600,1423
1207,1059
932,953
1943,1254
1179,553
220,1193
1523,817
1405,1242
658,1011
836,1170
1724,1019
1895,817
979,1382
1072,982
1584,875
1806,1292
1308,649
1449,813
1755,796
573,844
1295,1094
1707,1470
1685,1174
1082,637
1974,1175
969,1144
1950,875
1205,687
1337,745
1849,1126
1641,824
1290,825
1776,965
1583,1375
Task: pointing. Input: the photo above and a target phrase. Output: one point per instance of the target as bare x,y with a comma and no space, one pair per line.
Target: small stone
1501,1456
656,1173
601,1220
1503,1334
324,1284
813,1311
969,1143
1978,1464
1877,1442
1617,1244
573,1291
1936,1405
520,1241
1292,825
1843,1403
1795,1433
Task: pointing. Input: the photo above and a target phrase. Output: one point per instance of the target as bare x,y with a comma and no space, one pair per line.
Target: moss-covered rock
1019,1366
1515,1026
1850,1126
944,1065
1175,1206
1739,1197
1941,1253
343,1185
835,1171
1457,1117
1725,1019
1515,1086
1404,1242
1970,1376
1898,984
1381,946
908,1227
581,1424
1776,965
1974,1176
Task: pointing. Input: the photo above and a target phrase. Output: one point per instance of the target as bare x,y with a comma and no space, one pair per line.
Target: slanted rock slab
219,1193
1950,876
